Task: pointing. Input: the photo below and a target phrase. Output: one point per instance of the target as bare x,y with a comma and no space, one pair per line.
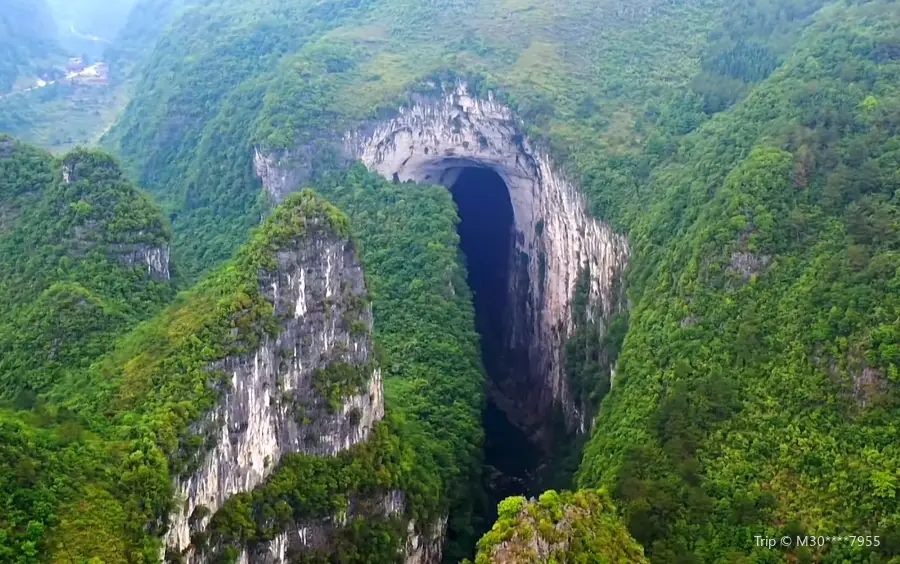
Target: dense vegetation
749,149
69,281
757,387
563,528
69,285
90,455
276,77
653,106
425,328
429,445
89,471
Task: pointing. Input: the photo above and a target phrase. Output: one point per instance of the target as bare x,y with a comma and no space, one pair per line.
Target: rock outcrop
554,241
432,141
155,258
273,405
559,527
420,547
554,236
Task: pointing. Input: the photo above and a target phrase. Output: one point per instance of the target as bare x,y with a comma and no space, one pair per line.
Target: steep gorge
553,239
754,174
527,238
486,232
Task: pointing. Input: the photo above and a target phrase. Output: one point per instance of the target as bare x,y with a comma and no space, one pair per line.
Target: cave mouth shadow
486,232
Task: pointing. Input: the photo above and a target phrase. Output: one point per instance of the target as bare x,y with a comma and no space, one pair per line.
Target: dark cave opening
486,230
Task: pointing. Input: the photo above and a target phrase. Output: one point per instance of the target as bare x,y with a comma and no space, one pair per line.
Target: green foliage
754,172
112,485
68,280
561,528
122,435
305,487
230,77
61,116
424,331
339,380
189,87
591,350
755,381
68,287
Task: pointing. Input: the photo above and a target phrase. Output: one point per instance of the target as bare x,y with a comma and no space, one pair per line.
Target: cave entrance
486,238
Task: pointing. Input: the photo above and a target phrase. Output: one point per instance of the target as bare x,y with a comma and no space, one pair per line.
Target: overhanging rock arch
433,141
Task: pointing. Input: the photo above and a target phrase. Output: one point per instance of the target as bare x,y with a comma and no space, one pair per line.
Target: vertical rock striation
420,547
555,237
554,241
155,258
273,405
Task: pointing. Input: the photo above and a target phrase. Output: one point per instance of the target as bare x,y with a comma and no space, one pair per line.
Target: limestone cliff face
272,406
422,547
432,141
554,238
155,258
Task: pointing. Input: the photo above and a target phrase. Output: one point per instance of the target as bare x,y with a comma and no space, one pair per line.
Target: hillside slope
748,151
83,258
745,149
596,81
98,431
756,391
83,255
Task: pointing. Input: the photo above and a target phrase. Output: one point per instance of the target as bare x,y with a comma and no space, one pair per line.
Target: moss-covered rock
559,528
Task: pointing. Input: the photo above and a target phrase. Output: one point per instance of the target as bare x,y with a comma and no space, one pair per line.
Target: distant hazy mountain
88,26
27,36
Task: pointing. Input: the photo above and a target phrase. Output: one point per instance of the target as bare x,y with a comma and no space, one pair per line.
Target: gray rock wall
154,258
272,406
421,547
431,142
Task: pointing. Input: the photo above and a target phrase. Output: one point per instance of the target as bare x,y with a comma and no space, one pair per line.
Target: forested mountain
62,114
84,257
27,39
757,389
589,79
738,381
94,433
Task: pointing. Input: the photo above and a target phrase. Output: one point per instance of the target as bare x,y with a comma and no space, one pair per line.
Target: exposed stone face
425,547
420,548
278,180
272,407
432,142
868,385
554,239
749,264
154,258
560,527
